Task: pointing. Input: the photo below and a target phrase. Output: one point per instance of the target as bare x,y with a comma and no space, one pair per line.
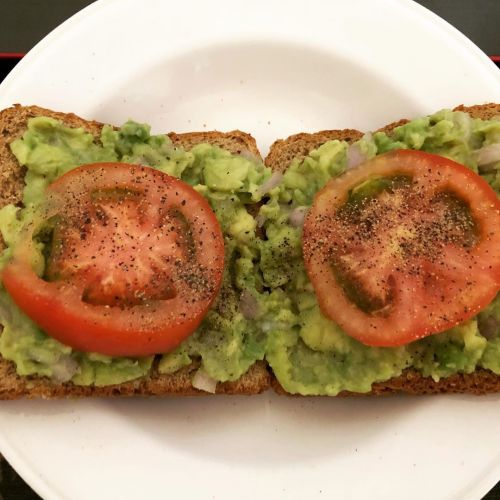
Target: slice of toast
482,381
12,386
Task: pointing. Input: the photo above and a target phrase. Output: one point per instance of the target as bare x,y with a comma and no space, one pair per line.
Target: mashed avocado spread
227,342
313,355
308,353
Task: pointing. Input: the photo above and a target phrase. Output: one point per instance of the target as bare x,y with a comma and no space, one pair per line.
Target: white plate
271,68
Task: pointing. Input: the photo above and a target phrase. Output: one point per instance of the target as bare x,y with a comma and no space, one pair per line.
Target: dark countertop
25,22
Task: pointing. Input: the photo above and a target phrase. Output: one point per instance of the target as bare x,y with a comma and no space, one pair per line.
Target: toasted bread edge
411,381
13,123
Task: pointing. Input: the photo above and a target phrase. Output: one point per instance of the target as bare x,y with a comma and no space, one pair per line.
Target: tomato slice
134,261
404,246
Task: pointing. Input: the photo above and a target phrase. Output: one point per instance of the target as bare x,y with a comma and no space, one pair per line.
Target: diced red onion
64,370
489,327
297,216
271,183
465,121
354,156
260,219
249,305
267,326
251,156
5,313
488,154
204,382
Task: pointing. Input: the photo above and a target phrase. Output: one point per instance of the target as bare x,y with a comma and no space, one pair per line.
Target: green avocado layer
313,355
308,353
226,342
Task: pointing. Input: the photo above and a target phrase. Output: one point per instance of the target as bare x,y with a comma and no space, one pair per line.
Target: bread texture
298,146
258,378
13,123
481,381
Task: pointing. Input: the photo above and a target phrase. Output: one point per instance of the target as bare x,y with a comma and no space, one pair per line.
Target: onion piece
271,183
250,156
64,370
489,327
248,306
260,220
5,313
488,154
354,156
297,216
267,326
204,382
464,121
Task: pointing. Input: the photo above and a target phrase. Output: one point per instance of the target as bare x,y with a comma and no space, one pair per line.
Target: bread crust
13,123
298,146
258,378
13,386
479,382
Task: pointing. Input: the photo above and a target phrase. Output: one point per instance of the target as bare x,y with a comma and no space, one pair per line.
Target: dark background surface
25,22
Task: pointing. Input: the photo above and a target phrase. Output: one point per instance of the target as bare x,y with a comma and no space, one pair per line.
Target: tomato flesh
121,271
136,260
417,257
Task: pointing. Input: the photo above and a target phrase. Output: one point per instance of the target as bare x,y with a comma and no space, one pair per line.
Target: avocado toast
465,362
266,300
146,379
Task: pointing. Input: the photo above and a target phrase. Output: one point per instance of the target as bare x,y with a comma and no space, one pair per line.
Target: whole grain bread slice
13,123
481,381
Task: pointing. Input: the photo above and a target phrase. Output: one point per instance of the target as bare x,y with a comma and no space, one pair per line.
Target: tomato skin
151,327
424,294
92,328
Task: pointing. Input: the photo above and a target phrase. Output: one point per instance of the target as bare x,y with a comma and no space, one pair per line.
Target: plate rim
39,483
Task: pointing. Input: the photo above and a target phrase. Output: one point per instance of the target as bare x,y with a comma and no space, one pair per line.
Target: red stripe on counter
12,55
20,55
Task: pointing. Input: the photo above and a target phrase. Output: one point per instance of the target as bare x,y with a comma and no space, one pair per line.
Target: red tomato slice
418,256
136,260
